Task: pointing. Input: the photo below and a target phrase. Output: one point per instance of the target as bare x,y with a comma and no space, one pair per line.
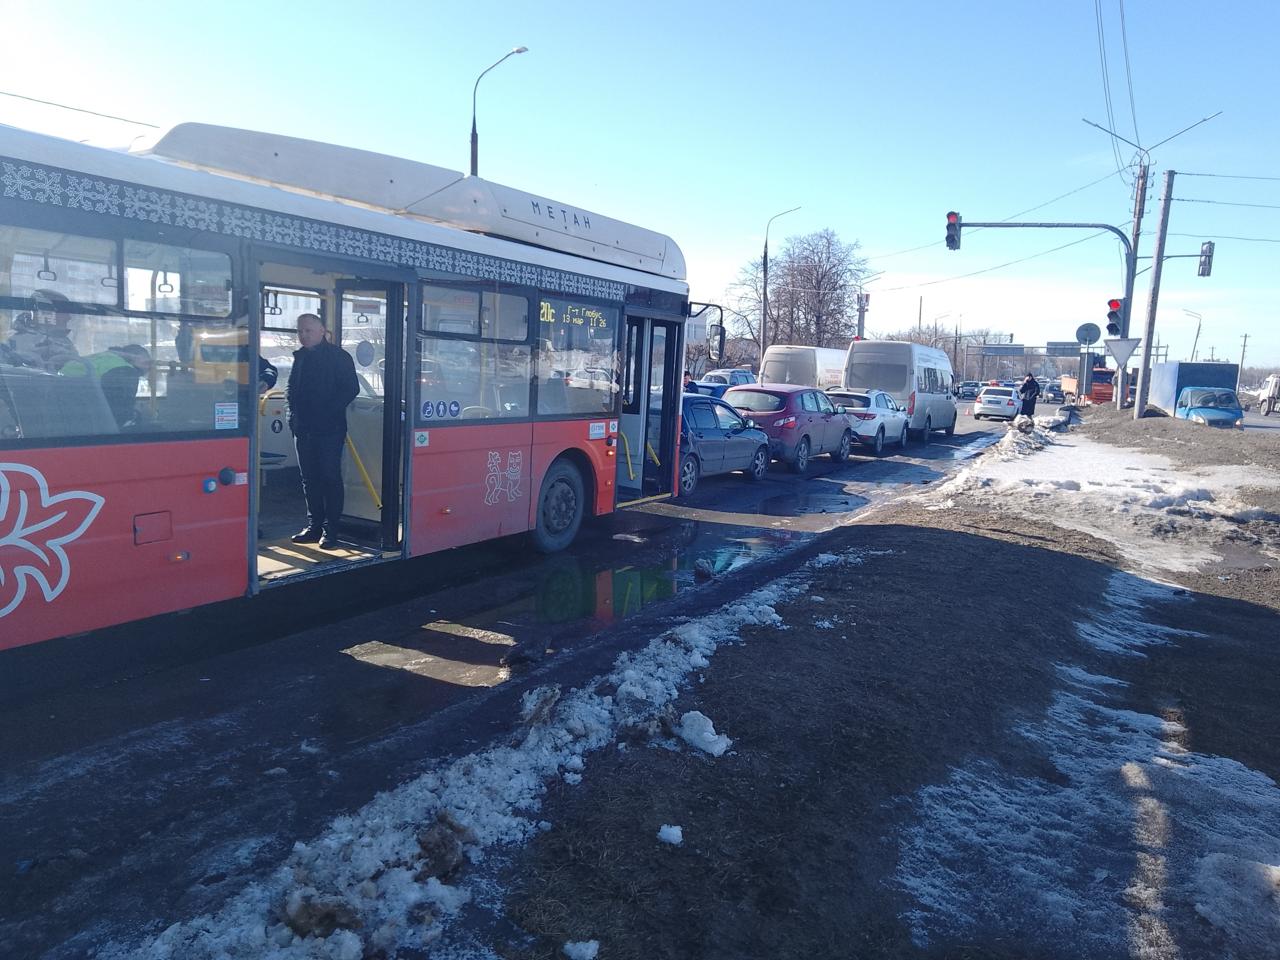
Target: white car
999,403
876,418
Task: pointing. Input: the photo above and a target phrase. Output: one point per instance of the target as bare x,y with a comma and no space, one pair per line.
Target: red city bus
519,362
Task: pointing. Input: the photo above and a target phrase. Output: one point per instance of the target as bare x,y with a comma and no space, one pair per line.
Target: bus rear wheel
560,508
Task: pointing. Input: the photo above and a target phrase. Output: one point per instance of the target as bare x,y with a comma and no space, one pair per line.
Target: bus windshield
790,370
877,375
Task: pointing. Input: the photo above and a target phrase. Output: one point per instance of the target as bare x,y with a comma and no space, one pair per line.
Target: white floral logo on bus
501,481
34,532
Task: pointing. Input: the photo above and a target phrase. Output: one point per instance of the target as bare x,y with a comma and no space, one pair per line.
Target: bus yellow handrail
364,474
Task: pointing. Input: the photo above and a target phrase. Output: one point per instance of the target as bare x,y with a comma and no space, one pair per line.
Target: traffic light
1206,259
1115,317
953,231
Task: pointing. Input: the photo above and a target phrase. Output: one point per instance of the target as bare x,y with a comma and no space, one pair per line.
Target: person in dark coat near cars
321,385
1029,391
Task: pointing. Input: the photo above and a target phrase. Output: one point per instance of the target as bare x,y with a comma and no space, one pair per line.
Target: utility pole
1157,264
864,301
1244,345
1139,207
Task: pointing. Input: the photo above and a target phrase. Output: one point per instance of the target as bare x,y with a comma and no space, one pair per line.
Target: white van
918,377
821,367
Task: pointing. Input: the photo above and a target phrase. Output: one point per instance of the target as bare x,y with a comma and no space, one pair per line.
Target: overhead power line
1128,75
1106,81
1228,203
92,113
1000,266
1226,176
1219,236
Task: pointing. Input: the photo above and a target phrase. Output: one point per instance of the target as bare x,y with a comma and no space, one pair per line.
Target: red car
799,421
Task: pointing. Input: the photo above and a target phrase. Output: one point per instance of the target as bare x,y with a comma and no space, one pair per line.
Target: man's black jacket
321,384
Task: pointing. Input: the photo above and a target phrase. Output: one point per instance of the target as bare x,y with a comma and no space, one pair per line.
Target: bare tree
813,285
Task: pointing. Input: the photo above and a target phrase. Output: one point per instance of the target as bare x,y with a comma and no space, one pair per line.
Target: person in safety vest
117,370
322,383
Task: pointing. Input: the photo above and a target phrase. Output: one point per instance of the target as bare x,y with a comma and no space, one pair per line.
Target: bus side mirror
715,342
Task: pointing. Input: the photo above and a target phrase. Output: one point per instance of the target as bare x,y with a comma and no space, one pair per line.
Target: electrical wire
1128,75
1225,176
1020,213
1223,237
92,113
1227,203
1000,266
1106,82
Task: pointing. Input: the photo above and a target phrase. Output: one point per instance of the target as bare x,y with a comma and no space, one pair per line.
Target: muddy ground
940,641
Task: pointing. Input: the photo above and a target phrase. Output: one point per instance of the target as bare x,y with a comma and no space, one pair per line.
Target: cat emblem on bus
501,481
33,533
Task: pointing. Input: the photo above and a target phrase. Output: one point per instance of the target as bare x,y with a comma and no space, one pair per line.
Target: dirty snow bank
1126,851
376,880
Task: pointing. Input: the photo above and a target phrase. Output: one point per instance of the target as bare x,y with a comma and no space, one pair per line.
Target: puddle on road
974,447
801,504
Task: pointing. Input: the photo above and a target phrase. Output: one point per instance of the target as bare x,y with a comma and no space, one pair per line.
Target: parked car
1211,406
715,382
999,403
918,377
1053,392
876,418
969,389
715,438
800,421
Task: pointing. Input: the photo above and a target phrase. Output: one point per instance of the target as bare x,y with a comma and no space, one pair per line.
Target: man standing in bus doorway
1029,391
322,383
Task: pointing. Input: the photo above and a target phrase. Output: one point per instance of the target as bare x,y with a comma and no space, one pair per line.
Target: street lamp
475,142
764,305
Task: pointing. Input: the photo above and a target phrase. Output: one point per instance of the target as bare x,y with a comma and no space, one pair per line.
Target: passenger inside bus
117,371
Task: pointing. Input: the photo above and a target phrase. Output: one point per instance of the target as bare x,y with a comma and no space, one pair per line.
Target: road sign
1088,333
1062,348
1003,350
1122,349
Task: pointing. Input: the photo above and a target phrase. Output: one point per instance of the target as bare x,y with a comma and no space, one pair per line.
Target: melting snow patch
582,949
671,835
697,730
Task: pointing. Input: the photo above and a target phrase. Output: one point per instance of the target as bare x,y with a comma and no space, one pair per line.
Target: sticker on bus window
428,409
595,431
226,415
422,438
442,408
613,426
455,408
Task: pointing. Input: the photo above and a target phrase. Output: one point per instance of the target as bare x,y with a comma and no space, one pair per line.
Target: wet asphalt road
150,771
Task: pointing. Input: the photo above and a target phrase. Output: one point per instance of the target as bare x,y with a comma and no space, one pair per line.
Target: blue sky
702,120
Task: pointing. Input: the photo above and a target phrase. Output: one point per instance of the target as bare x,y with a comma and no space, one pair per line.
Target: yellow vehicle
219,354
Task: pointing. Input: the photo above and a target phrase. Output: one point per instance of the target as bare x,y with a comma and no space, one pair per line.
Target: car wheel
877,446
927,433
560,508
977,416
951,430
801,461
841,453
902,439
690,471
759,464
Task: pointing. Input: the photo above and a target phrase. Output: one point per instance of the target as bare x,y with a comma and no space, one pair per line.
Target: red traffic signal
953,230
1115,316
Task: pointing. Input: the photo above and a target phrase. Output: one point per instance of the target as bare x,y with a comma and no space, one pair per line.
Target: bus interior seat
49,405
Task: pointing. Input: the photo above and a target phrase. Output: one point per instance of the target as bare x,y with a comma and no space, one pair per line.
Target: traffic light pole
1139,207
1157,263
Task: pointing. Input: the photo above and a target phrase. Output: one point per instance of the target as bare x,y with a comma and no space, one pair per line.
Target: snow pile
582,949
697,730
671,834
1157,516
379,880
1125,850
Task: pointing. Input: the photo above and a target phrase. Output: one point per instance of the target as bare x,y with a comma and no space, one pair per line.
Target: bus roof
415,190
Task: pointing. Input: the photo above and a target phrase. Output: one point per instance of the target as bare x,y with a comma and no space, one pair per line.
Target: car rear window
996,392
860,400
755,400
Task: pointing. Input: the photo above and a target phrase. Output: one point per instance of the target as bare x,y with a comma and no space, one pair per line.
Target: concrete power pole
1244,345
1139,207
1157,263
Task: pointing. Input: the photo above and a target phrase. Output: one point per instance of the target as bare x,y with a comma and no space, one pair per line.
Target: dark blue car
715,438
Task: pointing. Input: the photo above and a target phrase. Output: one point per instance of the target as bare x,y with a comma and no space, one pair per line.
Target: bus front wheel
560,508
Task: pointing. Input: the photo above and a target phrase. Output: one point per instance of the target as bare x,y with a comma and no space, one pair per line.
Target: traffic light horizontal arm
1059,226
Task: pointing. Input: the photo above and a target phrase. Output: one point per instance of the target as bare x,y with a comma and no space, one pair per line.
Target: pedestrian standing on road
1028,392
688,379
322,383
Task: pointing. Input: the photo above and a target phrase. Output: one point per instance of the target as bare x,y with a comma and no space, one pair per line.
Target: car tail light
911,404
787,423
862,415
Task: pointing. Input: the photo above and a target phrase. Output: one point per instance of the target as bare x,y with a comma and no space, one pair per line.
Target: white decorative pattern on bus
32,535
40,184
498,482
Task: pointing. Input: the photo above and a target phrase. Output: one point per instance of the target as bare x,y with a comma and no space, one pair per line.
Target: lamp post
475,142
764,304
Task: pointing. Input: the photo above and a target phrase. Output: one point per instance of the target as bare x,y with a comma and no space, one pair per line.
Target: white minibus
918,377
821,367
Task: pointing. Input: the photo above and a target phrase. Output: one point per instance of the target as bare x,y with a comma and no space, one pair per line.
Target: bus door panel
370,318
470,483
97,535
650,408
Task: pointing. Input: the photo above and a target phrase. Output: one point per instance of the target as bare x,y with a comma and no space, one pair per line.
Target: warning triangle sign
1122,349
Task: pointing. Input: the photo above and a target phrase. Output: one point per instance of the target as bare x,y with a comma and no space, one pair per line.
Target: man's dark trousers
320,462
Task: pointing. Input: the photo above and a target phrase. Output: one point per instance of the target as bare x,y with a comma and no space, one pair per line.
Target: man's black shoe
309,535
330,542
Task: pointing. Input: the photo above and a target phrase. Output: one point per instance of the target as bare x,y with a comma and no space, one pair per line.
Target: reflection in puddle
974,447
